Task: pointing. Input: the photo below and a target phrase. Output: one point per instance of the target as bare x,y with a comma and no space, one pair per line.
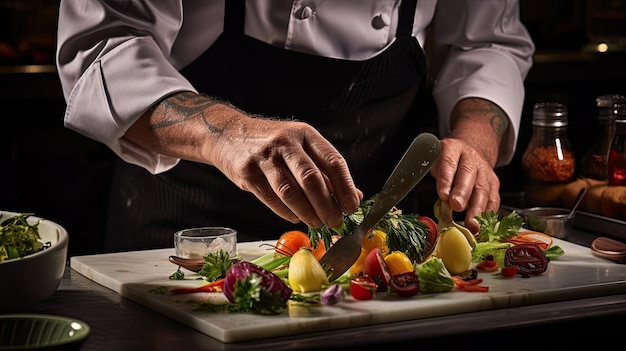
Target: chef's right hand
287,165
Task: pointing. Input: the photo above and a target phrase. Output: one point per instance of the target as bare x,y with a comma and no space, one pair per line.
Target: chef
265,115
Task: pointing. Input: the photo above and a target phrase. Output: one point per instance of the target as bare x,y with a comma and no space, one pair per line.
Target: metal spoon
192,264
579,198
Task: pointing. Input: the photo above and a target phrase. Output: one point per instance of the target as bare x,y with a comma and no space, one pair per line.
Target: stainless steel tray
588,222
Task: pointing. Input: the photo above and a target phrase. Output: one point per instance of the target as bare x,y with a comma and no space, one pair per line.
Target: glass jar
548,161
595,163
617,155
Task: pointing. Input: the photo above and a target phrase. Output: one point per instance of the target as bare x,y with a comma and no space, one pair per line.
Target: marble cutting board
142,276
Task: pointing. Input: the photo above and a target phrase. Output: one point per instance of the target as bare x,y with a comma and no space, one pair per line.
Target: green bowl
41,332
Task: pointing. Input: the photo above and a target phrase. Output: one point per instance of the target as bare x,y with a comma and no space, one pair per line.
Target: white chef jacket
117,58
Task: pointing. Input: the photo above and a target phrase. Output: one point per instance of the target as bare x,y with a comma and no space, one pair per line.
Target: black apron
359,106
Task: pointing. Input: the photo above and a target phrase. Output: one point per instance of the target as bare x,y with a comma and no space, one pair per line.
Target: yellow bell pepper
398,262
374,239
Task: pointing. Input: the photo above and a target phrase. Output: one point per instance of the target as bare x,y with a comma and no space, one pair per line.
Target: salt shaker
595,163
548,161
617,155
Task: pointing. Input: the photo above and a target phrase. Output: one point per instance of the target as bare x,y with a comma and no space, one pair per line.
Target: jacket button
380,21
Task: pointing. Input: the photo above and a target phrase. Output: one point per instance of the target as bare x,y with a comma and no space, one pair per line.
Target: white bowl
32,279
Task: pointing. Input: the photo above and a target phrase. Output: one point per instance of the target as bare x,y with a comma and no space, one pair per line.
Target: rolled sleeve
486,75
481,50
111,95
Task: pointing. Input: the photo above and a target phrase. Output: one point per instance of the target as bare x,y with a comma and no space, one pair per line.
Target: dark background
60,175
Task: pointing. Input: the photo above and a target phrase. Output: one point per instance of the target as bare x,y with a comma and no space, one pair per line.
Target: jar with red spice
548,161
617,155
595,163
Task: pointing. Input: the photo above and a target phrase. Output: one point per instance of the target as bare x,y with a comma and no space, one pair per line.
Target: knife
410,170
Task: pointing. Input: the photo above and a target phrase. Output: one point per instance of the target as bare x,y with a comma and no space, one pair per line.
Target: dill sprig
404,232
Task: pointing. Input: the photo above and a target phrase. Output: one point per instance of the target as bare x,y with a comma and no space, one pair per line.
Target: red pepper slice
529,259
469,285
487,266
216,286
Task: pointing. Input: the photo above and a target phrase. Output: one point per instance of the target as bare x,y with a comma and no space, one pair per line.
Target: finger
336,173
485,198
313,183
445,168
465,184
266,194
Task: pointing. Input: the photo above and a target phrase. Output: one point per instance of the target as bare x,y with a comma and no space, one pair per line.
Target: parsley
19,238
250,296
178,275
493,229
216,265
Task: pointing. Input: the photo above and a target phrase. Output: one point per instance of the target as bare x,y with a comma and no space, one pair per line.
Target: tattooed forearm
182,107
473,108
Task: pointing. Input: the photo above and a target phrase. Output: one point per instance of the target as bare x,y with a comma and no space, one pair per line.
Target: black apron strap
406,18
234,16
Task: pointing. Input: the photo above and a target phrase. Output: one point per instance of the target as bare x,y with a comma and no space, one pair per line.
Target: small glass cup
199,242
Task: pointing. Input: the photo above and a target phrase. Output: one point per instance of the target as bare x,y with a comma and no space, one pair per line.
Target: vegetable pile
403,255
18,238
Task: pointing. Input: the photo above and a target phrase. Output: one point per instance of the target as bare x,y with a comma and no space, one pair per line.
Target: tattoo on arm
497,117
182,107
499,120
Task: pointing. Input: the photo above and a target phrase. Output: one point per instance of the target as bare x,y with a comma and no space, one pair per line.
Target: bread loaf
593,198
571,190
613,202
601,199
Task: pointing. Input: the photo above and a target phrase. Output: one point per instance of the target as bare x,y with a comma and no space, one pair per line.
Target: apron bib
359,106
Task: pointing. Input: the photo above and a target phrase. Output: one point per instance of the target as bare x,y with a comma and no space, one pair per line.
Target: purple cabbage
270,281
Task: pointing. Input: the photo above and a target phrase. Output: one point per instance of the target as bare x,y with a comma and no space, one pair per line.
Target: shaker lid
611,106
550,114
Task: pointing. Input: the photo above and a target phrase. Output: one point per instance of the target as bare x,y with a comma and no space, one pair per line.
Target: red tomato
508,272
433,230
362,287
290,242
405,284
375,267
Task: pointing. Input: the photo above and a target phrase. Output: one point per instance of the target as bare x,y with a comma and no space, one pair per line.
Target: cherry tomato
433,230
362,287
405,284
374,238
375,267
508,272
290,242
398,262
